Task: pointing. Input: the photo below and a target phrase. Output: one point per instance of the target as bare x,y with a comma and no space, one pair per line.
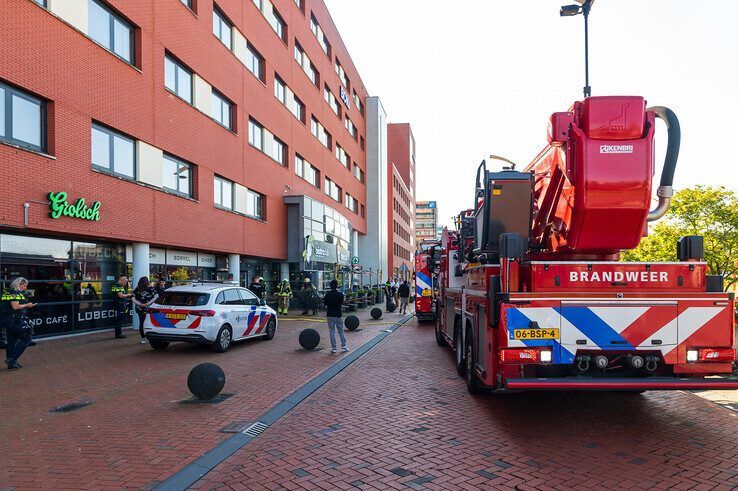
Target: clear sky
475,77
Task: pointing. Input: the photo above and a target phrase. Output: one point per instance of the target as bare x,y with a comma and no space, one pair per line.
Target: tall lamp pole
570,11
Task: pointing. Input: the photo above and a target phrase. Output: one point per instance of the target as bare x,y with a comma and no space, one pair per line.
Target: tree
711,212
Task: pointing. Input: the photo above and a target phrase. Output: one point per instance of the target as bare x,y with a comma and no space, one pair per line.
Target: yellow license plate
426,292
523,334
174,316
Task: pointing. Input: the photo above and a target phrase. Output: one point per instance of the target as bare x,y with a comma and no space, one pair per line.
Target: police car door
236,311
256,314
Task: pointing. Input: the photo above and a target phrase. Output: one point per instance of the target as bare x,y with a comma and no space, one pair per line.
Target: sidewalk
137,431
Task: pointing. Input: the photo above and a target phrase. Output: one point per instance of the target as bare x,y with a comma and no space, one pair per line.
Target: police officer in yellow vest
284,292
15,319
122,299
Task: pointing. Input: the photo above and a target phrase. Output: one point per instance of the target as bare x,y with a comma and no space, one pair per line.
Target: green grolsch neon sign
59,207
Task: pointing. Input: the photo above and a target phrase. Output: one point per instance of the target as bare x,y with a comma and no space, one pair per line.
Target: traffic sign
355,260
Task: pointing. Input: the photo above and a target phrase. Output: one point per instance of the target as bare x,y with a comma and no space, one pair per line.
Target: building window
41,2
258,4
363,211
320,133
304,169
113,152
280,89
177,176
255,204
298,109
110,30
342,156
331,100
222,28
341,74
279,25
358,173
221,109
256,135
351,203
361,142
279,151
223,192
320,35
178,78
22,119
187,3
332,189
358,103
254,62
307,66
300,5
349,125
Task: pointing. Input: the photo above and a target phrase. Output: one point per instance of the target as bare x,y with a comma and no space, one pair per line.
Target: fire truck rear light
546,356
524,356
717,354
692,355
202,313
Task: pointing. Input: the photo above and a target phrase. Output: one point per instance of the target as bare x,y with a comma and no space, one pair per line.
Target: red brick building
401,188
217,136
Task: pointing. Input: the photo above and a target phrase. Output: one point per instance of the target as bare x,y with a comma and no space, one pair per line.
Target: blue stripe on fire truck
518,320
422,281
592,326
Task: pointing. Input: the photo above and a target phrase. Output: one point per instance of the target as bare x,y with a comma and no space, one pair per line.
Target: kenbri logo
616,148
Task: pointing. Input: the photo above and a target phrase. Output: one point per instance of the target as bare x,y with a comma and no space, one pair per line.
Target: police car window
183,299
249,298
219,299
231,297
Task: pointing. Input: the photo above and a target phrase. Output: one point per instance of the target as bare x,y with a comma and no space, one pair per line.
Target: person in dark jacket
334,304
15,306
403,291
257,287
143,296
161,285
122,299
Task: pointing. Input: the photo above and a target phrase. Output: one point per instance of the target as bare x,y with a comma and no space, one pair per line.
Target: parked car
212,314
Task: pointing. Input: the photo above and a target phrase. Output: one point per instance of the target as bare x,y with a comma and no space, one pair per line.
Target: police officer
284,292
18,328
257,287
307,292
122,297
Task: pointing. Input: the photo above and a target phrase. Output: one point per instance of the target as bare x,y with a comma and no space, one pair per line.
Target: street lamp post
570,11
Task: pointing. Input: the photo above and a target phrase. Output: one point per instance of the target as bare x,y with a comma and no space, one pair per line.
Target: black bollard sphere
391,307
206,380
352,322
376,313
309,339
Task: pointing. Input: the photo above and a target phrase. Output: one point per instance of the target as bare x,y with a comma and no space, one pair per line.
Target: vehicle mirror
262,302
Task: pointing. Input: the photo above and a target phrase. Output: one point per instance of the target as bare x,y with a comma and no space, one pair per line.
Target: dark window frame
223,20
233,193
190,167
231,108
111,151
114,15
42,103
179,64
255,53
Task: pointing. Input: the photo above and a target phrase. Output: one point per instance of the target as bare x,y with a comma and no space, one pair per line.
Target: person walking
257,287
333,302
143,296
18,327
284,292
121,298
403,291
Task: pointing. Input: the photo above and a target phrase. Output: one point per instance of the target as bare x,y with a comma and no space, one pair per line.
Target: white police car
213,314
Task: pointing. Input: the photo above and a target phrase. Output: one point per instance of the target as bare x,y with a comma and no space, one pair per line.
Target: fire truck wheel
472,381
439,335
270,329
223,341
459,351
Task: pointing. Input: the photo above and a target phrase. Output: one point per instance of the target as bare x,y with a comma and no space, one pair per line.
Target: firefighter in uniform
122,299
308,293
18,329
284,292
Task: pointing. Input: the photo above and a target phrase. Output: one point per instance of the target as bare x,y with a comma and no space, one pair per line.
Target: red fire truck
532,292
426,280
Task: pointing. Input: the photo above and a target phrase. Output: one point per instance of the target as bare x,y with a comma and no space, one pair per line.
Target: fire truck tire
459,353
270,329
439,335
223,340
473,385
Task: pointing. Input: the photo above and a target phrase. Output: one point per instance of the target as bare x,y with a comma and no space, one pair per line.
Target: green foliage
711,212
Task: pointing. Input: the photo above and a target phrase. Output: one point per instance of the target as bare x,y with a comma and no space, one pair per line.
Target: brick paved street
136,431
397,418
400,418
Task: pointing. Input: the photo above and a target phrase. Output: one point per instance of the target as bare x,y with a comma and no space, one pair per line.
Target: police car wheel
158,344
223,340
271,328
